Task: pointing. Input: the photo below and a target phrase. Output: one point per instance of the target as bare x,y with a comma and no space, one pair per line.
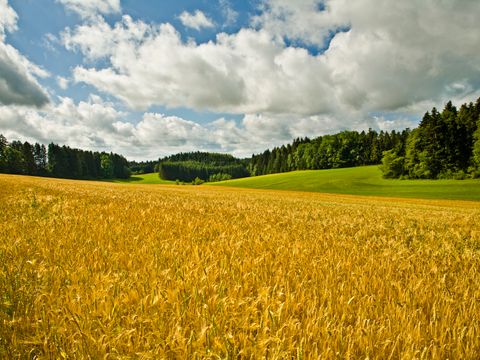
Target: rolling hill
365,180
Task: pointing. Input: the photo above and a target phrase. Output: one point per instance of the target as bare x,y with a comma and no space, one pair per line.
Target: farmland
102,270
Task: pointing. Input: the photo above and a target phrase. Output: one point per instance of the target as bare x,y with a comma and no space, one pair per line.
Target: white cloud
395,53
229,14
197,20
91,8
17,74
99,40
297,20
242,73
86,125
8,19
62,82
399,123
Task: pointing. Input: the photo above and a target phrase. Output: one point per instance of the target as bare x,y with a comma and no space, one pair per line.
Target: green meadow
365,180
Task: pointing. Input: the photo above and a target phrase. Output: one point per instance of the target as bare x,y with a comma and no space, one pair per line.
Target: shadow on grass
130,179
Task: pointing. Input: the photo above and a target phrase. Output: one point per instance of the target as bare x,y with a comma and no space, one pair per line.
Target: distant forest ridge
60,161
445,145
204,166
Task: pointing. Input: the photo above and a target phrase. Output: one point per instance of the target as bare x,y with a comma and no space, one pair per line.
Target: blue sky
150,78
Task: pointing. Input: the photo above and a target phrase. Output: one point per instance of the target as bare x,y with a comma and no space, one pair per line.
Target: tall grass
96,270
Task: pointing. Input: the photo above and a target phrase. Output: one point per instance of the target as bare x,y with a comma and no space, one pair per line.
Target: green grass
366,180
152,178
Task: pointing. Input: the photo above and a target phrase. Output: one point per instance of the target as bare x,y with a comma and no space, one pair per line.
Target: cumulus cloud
197,20
394,54
97,40
91,8
84,124
389,57
17,74
245,72
8,19
307,21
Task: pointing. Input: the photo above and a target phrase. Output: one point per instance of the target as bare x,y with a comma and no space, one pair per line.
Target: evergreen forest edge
445,145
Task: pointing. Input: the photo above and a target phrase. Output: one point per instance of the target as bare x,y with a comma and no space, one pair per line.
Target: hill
365,180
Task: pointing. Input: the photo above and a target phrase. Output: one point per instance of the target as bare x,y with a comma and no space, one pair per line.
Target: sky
147,78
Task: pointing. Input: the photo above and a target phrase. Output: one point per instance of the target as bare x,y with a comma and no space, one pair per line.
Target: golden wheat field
106,271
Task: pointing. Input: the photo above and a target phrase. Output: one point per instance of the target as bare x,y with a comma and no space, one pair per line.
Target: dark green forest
143,167
60,161
345,149
206,166
445,145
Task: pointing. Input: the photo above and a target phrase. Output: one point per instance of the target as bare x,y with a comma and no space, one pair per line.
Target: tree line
344,149
445,145
59,161
206,166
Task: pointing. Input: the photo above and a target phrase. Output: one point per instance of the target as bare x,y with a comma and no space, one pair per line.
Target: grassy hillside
100,270
152,178
365,180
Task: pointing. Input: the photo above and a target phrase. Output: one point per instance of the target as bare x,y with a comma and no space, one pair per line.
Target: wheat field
108,271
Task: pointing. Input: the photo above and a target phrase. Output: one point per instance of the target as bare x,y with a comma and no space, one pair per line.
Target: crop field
107,271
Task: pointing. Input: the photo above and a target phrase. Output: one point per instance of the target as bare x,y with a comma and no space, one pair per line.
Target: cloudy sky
146,78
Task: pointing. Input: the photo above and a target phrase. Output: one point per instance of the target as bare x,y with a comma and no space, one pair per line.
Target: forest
446,145
204,166
345,149
59,161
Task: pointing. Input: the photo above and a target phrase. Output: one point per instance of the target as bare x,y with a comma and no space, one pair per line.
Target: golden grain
95,270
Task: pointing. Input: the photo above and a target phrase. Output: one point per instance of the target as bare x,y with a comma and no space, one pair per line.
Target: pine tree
29,159
476,152
3,147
